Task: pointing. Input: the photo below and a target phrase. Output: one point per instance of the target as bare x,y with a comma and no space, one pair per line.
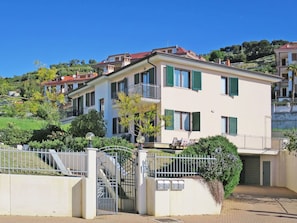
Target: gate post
141,182
89,185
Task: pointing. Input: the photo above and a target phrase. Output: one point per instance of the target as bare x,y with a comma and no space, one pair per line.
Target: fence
42,162
177,166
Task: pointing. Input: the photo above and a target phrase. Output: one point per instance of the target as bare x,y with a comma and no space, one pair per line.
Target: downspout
155,68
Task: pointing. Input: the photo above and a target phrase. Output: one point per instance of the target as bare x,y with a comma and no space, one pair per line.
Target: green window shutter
232,126
126,86
88,99
196,121
169,76
169,124
233,86
196,80
114,125
136,78
113,88
152,76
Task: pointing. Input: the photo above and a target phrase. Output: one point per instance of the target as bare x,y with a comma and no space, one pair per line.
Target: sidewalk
248,204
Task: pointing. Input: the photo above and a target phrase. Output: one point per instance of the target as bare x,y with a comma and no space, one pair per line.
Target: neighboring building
117,61
202,98
66,84
285,55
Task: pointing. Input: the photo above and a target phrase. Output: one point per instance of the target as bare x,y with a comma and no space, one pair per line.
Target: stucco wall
29,195
253,113
194,199
291,167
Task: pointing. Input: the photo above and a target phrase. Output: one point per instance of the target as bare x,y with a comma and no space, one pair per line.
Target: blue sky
54,31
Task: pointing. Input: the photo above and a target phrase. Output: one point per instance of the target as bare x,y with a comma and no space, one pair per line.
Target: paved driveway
247,204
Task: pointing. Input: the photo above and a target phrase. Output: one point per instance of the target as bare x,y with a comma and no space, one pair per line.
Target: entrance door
266,173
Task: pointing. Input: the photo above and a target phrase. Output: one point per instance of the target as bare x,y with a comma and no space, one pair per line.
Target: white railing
42,162
162,166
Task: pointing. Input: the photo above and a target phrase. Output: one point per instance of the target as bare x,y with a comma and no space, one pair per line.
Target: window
117,128
294,56
285,76
101,106
147,77
284,92
90,99
183,78
116,87
224,86
284,62
229,86
229,125
179,120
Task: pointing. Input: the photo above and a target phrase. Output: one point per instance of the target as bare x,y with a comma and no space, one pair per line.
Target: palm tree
293,68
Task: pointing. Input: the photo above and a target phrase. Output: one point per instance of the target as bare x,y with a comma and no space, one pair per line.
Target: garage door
250,174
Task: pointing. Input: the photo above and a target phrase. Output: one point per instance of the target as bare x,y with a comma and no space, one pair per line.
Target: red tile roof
69,79
139,55
292,45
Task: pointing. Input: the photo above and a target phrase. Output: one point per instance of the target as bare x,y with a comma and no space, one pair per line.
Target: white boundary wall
194,199
30,195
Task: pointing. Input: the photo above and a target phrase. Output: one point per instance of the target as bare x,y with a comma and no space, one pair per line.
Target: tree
228,165
91,122
291,145
293,69
138,116
216,54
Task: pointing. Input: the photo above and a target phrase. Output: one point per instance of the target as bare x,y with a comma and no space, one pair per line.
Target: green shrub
79,143
227,166
13,135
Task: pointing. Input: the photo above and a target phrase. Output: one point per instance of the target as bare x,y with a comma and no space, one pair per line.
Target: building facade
201,98
285,55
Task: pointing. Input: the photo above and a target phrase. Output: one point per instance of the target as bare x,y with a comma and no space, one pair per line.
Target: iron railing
42,162
160,166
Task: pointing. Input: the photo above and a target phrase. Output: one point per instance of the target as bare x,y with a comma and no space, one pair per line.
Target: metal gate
116,189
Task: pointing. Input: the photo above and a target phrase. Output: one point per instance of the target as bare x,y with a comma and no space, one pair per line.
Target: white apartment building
202,98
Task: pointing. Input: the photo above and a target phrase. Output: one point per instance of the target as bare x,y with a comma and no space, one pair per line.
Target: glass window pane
224,85
186,121
177,120
185,79
177,78
224,125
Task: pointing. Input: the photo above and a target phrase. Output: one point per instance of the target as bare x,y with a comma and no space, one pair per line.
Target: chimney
228,63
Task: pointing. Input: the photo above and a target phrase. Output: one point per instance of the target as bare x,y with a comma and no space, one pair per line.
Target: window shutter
113,90
136,78
232,126
196,121
126,86
152,76
196,80
169,124
114,125
87,99
233,86
169,76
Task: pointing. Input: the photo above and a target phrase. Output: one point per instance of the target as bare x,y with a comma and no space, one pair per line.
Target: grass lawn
25,124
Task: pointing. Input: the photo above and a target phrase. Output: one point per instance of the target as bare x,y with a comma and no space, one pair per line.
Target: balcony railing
145,90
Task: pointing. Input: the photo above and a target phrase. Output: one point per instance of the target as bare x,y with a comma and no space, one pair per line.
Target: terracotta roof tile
292,45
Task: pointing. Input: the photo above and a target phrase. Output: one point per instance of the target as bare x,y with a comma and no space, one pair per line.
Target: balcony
147,91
